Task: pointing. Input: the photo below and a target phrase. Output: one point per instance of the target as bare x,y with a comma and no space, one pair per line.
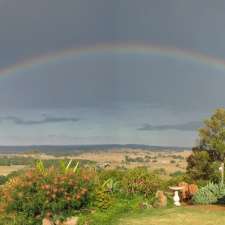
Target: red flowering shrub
39,194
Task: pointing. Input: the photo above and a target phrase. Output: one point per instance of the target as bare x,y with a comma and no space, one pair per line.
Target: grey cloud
190,126
48,119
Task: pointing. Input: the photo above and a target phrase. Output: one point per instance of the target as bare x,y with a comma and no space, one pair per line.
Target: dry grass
116,158
5,170
176,216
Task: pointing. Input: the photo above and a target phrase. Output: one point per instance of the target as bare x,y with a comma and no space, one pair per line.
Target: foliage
177,173
212,135
16,160
205,160
177,157
115,174
209,194
141,181
176,179
103,199
67,189
31,161
201,167
135,159
46,192
3,179
112,214
105,193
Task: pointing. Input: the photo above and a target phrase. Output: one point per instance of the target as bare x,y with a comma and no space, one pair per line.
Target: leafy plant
41,192
141,181
103,199
68,167
209,194
40,167
111,185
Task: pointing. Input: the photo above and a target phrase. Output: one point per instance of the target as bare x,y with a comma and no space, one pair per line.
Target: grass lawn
196,215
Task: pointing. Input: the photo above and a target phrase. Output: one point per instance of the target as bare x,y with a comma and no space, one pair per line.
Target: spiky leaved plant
209,194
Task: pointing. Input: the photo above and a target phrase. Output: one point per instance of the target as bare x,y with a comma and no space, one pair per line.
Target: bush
3,179
103,198
202,167
115,174
48,193
209,194
177,173
140,181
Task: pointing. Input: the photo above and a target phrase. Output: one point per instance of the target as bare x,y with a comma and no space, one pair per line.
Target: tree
202,167
211,148
212,135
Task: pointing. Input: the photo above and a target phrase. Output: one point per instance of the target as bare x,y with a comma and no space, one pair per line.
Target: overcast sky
109,97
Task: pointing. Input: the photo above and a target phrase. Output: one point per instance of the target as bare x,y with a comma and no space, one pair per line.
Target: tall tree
203,163
212,135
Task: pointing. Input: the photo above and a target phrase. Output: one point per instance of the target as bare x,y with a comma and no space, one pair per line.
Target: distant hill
68,149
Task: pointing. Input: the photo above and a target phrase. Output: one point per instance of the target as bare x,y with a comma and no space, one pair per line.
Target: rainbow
173,52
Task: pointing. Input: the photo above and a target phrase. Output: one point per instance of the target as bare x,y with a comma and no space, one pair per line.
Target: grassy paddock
175,216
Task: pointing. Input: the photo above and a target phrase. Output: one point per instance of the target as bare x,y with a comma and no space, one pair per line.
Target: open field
5,170
196,215
170,161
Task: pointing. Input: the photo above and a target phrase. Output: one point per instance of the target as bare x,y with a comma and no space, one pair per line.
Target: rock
161,200
47,221
71,221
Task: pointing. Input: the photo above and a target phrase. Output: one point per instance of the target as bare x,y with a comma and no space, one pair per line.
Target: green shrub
141,181
209,194
177,173
106,189
202,167
103,198
3,179
115,174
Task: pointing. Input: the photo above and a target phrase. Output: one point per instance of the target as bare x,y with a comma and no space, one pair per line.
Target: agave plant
209,194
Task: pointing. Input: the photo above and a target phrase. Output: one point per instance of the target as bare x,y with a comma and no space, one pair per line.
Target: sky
121,94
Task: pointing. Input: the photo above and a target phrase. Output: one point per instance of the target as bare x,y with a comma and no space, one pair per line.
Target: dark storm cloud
31,27
20,121
191,24
101,81
190,126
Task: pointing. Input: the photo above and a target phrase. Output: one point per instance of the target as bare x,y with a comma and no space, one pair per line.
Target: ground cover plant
211,193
